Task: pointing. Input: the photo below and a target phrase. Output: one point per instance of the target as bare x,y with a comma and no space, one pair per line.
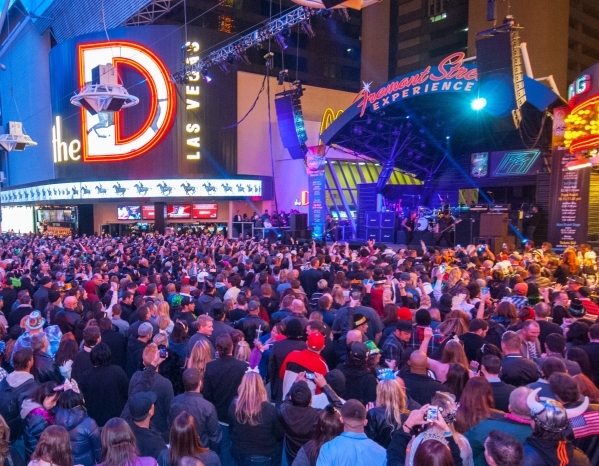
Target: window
436,8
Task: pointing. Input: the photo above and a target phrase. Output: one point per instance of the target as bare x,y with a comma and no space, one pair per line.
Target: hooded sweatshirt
553,453
18,378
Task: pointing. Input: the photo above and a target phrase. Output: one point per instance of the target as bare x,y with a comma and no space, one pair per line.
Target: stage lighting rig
104,93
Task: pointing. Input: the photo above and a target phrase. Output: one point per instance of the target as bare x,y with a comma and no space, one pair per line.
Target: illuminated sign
582,126
192,103
516,163
134,189
204,211
102,135
328,117
580,86
451,75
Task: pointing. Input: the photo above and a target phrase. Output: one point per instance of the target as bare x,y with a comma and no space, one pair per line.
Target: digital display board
148,212
205,211
129,212
178,211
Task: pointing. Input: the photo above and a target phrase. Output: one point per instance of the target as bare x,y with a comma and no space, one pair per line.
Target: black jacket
107,399
262,439
539,452
68,321
135,349
81,364
378,428
280,350
299,422
501,395
221,381
204,414
309,280
206,303
518,371
40,298
117,342
83,433
249,325
45,369
149,441
421,388
360,384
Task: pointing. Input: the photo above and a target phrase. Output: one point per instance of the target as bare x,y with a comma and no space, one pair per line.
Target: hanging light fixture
15,139
104,93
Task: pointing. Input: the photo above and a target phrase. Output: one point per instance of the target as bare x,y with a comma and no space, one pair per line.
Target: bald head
518,405
418,362
352,336
297,307
70,302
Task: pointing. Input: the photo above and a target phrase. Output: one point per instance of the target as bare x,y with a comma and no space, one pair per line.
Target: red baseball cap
316,341
403,313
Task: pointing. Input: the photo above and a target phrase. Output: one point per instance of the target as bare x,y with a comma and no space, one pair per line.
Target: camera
162,351
310,376
432,414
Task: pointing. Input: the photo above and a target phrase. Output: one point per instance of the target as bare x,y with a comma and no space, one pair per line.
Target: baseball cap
359,319
521,288
358,350
316,341
145,329
404,326
186,301
45,280
140,404
403,313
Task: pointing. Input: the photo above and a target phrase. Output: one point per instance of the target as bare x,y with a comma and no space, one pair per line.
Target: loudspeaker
373,219
493,225
355,245
387,235
298,222
287,235
373,233
495,243
387,219
291,123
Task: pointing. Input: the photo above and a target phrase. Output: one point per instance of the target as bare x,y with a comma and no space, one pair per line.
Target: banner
316,211
569,202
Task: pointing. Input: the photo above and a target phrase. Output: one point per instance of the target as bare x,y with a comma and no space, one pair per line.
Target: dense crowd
189,350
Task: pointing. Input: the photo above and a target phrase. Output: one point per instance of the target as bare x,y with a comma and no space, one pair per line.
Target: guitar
438,235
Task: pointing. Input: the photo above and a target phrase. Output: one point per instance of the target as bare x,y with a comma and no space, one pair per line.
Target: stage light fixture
307,28
230,59
281,78
104,93
326,14
281,41
223,66
205,75
479,103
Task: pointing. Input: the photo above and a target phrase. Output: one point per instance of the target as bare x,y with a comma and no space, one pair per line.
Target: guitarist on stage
330,228
444,228
409,225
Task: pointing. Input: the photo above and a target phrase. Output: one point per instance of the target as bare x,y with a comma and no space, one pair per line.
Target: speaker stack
380,226
493,230
299,229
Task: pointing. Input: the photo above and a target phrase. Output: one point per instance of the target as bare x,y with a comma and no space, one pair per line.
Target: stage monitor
178,211
204,211
129,212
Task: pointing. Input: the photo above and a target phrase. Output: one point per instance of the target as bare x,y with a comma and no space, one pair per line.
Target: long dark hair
66,351
457,378
179,334
582,358
327,428
476,404
54,447
184,438
119,446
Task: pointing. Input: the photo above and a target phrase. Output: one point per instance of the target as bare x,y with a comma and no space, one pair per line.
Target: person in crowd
115,340
394,346
388,413
516,370
141,410
327,428
37,414
592,349
548,443
107,399
255,430
202,411
420,387
490,367
298,417
136,347
453,353
185,442
119,447
360,382
529,333
474,339
252,325
44,368
91,337
476,405
205,327
53,448
352,447
515,422
502,448
199,356
83,431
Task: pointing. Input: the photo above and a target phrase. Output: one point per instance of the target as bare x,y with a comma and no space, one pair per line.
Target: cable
251,108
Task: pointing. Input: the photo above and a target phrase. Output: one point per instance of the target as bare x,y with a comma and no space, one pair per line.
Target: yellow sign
328,117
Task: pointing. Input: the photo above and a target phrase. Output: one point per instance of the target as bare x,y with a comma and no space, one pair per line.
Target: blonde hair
251,395
163,322
391,396
149,353
160,339
200,356
242,351
162,309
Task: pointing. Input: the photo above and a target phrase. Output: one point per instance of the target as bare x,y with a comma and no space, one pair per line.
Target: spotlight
286,32
479,103
223,66
307,28
244,58
205,74
269,60
230,59
282,76
281,41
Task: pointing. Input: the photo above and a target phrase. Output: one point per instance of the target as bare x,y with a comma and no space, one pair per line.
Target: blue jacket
352,449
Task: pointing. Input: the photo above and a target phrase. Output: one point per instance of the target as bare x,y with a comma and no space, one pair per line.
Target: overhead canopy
413,121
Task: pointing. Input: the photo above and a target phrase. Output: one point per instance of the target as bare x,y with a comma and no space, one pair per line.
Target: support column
159,217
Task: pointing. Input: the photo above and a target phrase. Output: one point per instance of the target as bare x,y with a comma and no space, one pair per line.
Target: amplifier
373,233
493,225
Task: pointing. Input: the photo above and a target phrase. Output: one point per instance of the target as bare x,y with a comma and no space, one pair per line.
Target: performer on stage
533,221
409,225
444,227
330,229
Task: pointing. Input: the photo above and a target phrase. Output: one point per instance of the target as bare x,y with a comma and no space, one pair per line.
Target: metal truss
237,49
151,12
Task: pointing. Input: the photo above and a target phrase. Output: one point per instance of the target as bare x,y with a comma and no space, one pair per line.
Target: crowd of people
189,350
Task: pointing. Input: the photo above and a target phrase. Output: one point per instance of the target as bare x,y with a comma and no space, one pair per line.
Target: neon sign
192,102
580,86
582,126
102,137
451,75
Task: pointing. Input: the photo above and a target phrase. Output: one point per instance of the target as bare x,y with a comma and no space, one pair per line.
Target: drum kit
427,218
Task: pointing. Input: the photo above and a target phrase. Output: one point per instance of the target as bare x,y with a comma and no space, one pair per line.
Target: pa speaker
298,222
291,124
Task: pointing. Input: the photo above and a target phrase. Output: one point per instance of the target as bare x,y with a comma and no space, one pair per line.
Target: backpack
11,399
